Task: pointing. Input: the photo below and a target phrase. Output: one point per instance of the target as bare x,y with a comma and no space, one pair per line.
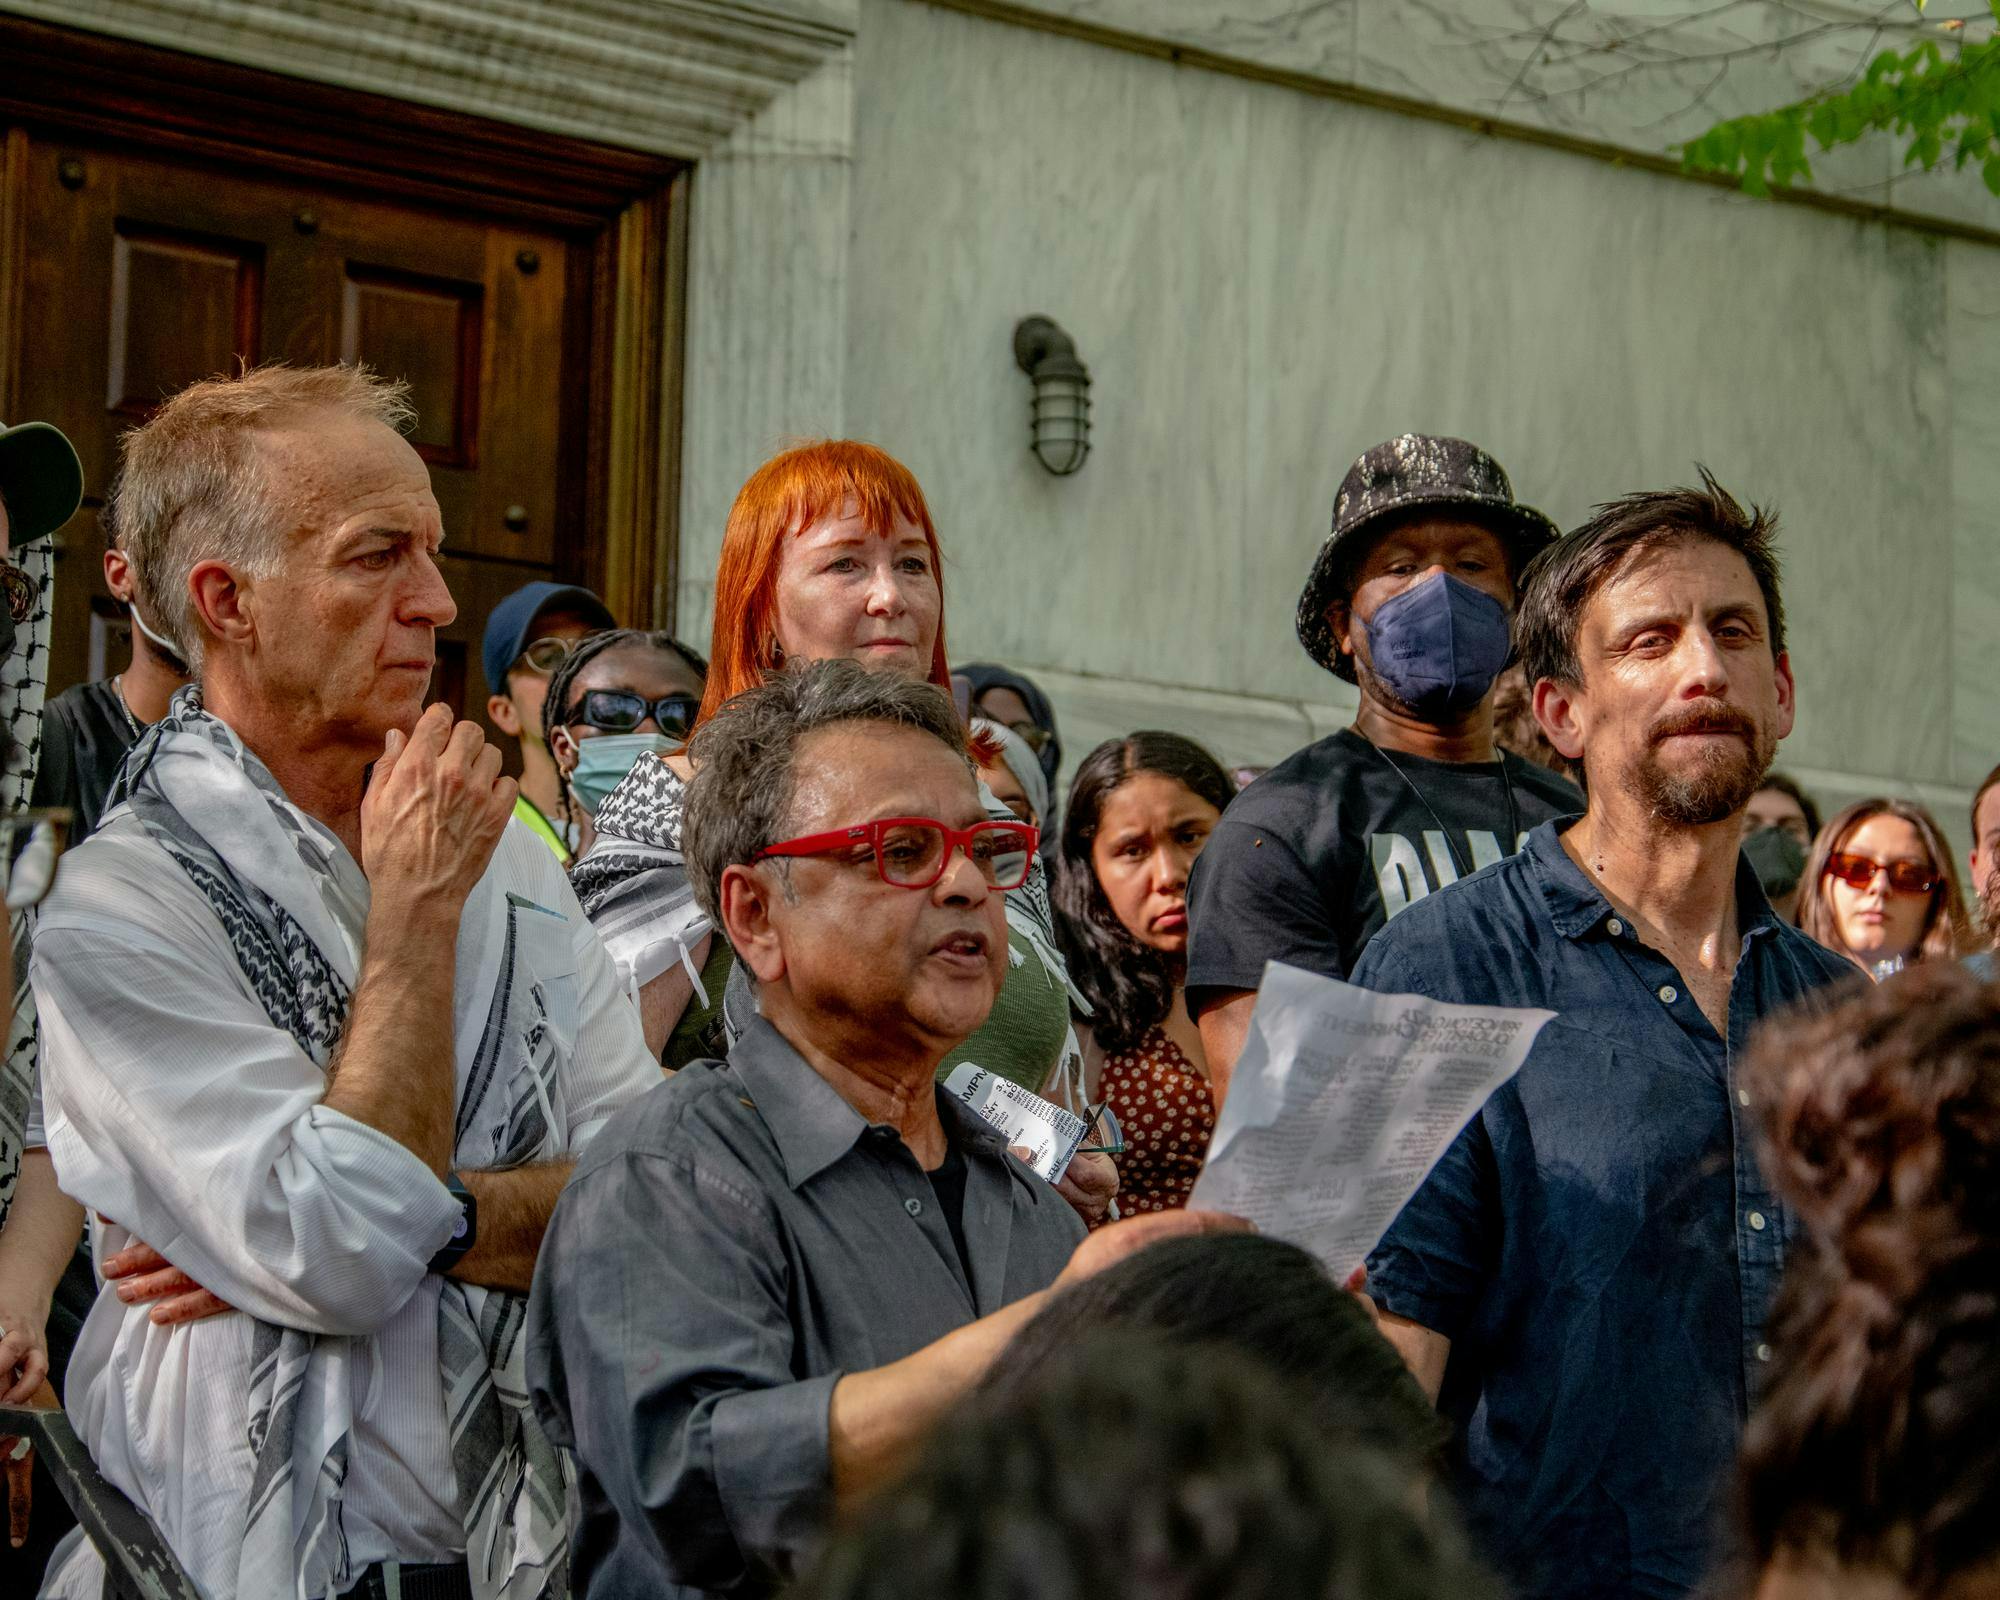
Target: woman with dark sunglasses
1881,888
617,696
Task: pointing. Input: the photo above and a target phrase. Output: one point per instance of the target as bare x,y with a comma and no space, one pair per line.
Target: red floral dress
1164,1108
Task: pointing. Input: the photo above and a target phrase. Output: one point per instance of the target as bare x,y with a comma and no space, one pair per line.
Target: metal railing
137,1563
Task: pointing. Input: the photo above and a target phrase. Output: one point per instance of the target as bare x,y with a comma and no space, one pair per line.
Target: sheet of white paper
1044,1129
1343,1100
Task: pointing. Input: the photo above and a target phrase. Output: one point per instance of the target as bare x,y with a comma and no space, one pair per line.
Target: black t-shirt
948,1184
1310,860
85,734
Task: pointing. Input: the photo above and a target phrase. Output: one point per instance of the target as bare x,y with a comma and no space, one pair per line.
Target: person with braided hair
618,696
1871,1466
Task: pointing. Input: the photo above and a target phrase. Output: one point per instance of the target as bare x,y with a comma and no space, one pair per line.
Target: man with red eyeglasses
780,1271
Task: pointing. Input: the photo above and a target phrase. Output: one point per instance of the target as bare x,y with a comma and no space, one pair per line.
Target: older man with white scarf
325,1039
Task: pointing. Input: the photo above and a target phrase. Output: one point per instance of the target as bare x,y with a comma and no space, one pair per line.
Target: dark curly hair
1244,1295
555,705
1877,1444
1130,987
1138,1470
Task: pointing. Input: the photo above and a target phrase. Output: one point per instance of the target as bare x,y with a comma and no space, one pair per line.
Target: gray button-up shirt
731,1245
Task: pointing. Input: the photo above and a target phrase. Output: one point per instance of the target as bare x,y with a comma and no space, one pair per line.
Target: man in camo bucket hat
1401,479
1411,600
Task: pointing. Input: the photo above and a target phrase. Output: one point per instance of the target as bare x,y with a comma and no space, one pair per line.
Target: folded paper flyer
1342,1102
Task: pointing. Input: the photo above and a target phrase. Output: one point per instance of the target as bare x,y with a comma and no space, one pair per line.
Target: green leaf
1934,102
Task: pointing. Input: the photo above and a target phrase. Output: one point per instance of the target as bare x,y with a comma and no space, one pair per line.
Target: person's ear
504,714
1559,708
118,575
1340,618
562,745
225,604
1788,703
749,897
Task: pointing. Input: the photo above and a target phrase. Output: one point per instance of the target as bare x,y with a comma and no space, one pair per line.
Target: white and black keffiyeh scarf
23,676
633,881
269,873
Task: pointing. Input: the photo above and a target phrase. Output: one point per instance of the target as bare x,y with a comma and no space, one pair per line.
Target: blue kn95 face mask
1438,646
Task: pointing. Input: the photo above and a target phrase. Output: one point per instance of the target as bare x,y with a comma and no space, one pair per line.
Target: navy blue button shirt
1599,1244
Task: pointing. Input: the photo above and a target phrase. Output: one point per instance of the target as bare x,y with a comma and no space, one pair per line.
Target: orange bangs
785,496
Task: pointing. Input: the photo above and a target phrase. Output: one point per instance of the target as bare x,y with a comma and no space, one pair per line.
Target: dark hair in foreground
1945,923
1564,578
1134,1471
1243,1296
744,756
1130,986
1877,1444
556,703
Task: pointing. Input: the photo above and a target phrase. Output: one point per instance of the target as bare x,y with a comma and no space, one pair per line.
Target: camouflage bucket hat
1413,469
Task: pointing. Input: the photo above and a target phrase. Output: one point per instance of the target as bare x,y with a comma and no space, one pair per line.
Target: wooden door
146,273
162,214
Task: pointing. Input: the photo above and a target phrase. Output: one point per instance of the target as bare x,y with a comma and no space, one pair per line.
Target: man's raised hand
435,808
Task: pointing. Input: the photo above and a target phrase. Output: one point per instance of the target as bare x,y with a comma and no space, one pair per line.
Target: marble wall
1645,75
1263,282
767,289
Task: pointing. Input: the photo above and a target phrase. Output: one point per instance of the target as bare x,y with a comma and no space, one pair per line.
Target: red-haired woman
829,551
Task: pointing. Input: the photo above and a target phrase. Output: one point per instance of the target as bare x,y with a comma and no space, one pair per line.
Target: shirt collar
1576,905
813,1125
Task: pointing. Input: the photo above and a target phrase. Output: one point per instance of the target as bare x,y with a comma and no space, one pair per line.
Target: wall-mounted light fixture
1059,413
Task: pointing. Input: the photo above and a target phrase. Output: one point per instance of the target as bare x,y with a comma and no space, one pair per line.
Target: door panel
153,272
427,329
216,287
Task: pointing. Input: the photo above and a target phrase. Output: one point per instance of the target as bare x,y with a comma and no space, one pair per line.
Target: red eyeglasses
1858,872
913,852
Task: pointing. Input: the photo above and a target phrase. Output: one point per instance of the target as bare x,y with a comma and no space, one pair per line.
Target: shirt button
1669,994
1742,1097
1615,926
1763,1352
915,1207
1755,1219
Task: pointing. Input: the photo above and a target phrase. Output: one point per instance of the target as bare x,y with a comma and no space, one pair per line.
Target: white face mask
166,647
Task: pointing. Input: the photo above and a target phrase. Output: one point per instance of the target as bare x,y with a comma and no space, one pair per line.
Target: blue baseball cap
513,620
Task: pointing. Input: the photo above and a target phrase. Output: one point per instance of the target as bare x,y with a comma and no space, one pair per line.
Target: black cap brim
40,478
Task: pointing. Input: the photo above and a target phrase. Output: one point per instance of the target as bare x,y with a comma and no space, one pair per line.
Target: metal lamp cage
1059,408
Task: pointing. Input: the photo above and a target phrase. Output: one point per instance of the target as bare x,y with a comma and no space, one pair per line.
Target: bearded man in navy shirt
1583,1281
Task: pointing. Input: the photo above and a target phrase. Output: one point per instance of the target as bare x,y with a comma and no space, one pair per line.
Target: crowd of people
453,1168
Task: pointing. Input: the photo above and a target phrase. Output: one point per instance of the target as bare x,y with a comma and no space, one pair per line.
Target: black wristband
467,1229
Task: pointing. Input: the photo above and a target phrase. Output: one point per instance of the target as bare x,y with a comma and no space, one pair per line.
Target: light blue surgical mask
601,763
1438,646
